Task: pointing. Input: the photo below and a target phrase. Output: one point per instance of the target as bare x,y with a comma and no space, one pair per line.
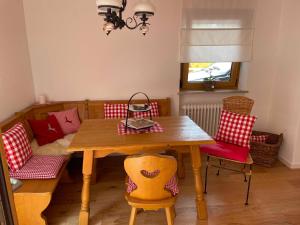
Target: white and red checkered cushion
40,167
259,138
154,111
235,128
115,111
171,186
17,147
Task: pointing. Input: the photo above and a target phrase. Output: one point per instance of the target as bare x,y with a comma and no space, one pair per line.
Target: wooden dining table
98,138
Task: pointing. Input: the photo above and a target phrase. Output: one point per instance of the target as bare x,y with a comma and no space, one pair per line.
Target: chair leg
169,216
249,183
173,211
206,170
132,216
220,162
245,176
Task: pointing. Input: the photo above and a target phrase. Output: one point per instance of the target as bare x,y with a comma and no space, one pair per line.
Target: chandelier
112,11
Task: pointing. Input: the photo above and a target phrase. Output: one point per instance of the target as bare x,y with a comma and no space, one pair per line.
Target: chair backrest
150,173
238,104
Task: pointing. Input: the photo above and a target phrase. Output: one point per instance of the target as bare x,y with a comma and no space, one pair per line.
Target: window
209,76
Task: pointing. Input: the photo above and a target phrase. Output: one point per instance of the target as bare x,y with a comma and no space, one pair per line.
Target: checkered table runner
156,128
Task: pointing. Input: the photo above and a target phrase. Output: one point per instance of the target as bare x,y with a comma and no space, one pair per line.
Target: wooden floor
274,198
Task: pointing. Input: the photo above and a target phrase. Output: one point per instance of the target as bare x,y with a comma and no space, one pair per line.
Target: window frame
231,84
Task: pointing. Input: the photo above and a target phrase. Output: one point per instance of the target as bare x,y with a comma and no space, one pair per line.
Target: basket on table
266,153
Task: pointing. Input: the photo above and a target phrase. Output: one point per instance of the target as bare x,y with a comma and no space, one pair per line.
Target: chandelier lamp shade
112,11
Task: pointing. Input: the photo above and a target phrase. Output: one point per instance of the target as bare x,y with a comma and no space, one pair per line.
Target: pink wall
73,59
16,84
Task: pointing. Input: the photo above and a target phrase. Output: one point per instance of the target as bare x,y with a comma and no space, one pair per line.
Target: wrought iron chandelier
112,11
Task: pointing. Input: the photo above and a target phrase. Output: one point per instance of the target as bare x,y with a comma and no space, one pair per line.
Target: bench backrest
86,110
96,108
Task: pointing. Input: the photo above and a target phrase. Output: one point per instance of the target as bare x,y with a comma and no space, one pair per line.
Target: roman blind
217,30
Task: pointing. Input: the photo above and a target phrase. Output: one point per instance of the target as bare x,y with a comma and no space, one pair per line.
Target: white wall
16,84
73,59
256,76
262,70
285,110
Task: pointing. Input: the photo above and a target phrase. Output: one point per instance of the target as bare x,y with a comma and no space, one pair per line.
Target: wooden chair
240,105
150,193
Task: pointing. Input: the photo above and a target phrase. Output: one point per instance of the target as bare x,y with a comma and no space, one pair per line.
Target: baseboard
288,163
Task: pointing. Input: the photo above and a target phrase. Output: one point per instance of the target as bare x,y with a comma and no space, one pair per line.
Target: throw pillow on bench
22,163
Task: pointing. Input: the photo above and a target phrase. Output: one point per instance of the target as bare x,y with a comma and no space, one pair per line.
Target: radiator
205,115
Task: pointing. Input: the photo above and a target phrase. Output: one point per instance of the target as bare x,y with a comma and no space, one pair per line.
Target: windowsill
187,92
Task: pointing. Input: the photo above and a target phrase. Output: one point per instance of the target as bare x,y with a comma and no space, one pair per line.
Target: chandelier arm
124,3
131,20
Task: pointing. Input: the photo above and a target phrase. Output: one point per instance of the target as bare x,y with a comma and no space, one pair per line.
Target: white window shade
217,30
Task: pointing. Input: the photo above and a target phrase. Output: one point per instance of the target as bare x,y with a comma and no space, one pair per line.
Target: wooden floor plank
274,198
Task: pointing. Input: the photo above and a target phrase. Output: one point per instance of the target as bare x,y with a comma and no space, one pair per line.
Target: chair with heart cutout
151,184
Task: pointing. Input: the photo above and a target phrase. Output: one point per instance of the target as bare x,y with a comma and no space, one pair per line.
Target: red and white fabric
115,111
17,147
40,167
154,111
171,186
259,138
235,128
156,128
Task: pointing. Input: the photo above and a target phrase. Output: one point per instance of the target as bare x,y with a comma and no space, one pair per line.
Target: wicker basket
266,154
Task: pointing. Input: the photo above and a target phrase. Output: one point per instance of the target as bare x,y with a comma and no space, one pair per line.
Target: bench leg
66,178
29,208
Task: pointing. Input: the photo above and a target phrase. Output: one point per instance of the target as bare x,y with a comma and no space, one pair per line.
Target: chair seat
227,151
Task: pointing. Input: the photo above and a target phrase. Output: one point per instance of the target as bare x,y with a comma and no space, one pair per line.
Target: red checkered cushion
171,186
259,138
115,111
235,128
154,111
40,167
17,147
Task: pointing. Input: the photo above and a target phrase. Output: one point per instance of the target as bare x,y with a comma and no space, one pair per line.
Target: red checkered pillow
259,138
17,147
235,128
115,111
154,111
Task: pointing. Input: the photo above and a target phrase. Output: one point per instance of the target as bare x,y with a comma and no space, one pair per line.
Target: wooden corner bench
34,196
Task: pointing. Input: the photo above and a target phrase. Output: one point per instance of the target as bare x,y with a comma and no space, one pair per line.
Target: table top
101,134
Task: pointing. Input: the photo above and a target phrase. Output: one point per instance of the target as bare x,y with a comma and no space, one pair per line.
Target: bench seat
33,197
58,147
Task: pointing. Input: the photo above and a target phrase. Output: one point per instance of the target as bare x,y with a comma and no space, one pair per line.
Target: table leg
196,164
88,157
